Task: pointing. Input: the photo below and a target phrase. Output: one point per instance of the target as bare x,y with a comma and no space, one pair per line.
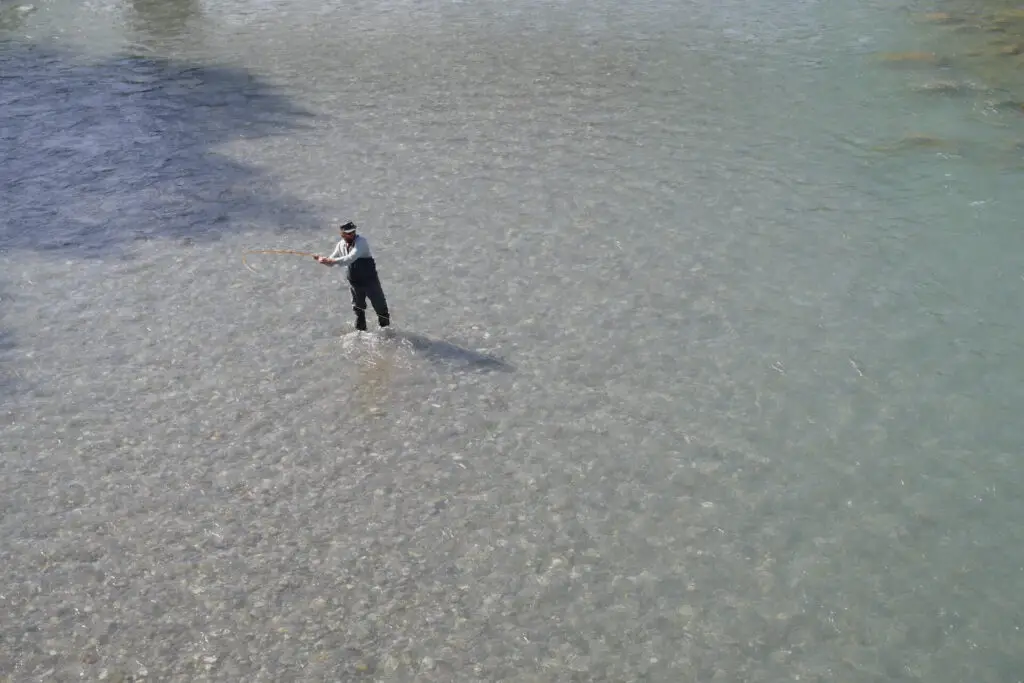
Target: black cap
349,227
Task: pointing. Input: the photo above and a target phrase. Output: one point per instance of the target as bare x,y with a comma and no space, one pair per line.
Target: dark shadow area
96,154
440,351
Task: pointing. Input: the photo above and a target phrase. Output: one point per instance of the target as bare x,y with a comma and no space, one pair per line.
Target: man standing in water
354,251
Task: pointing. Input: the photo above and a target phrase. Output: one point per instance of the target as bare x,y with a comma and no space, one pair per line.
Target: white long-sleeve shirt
345,254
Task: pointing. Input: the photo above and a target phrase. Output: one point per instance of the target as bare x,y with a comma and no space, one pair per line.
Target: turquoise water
702,372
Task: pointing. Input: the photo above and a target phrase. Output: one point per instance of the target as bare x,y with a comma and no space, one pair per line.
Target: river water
706,362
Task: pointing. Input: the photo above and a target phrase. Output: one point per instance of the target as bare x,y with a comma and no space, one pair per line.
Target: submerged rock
1009,105
916,141
970,28
941,18
914,58
1009,16
947,88
908,56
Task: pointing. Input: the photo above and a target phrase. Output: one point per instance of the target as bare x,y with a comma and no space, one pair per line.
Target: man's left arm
332,259
358,251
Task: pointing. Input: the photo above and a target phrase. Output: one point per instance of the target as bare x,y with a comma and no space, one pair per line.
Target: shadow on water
97,154
447,353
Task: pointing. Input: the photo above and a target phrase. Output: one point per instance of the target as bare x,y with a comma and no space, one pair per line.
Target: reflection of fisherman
354,251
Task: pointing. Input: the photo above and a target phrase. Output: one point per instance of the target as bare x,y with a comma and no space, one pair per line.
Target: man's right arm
329,260
337,251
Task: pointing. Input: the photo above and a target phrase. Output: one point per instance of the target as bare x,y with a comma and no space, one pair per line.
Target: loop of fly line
273,251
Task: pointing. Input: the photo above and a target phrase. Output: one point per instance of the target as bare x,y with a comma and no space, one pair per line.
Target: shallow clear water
691,381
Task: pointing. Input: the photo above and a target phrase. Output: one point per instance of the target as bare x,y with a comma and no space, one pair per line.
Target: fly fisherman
354,251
